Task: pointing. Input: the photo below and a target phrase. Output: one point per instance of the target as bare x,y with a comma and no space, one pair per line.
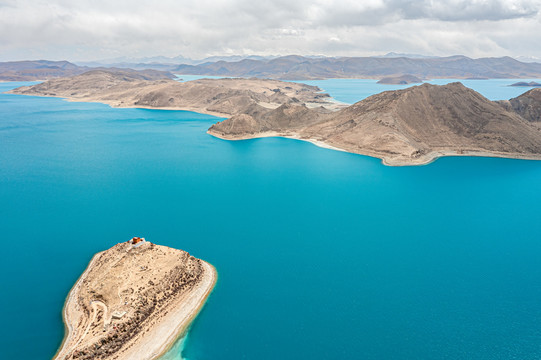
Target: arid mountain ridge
412,126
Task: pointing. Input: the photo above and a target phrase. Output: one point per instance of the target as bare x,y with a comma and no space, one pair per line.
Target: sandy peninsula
218,97
133,301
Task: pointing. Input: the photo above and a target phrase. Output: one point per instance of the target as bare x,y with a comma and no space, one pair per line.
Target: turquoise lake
321,254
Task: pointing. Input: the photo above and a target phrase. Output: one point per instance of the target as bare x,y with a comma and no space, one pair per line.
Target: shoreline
116,105
425,160
329,103
182,329
332,105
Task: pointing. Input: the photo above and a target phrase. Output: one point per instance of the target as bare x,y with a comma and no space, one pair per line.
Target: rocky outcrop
527,105
255,120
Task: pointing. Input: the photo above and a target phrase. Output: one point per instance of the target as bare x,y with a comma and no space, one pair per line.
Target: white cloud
94,29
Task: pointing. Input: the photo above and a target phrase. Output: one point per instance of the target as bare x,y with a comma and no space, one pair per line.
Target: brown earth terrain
221,97
405,127
133,301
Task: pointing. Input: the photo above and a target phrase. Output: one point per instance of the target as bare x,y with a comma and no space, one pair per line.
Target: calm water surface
321,254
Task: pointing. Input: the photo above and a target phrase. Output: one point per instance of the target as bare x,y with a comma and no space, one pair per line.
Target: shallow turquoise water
321,254
353,90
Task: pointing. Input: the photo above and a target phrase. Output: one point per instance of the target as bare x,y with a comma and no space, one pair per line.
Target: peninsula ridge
133,301
412,126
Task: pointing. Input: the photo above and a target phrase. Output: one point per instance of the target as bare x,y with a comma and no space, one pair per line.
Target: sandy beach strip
178,324
68,328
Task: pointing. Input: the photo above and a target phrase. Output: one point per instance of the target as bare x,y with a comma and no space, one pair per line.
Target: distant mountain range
45,69
301,68
38,70
125,61
294,67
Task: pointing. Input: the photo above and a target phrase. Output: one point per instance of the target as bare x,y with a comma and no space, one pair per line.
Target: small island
526,84
133,301
400,80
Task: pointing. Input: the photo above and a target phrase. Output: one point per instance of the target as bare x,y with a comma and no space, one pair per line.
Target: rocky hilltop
221,97
404,127
527,105
133,301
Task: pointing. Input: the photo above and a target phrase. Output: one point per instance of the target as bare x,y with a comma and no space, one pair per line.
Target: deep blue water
321,254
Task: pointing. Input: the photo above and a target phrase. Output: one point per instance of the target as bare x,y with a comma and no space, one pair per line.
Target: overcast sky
101,29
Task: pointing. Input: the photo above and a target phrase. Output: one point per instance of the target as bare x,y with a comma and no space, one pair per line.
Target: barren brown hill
133,301
222,97
404,127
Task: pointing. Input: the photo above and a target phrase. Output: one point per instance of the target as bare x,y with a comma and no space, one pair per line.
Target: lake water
321,254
